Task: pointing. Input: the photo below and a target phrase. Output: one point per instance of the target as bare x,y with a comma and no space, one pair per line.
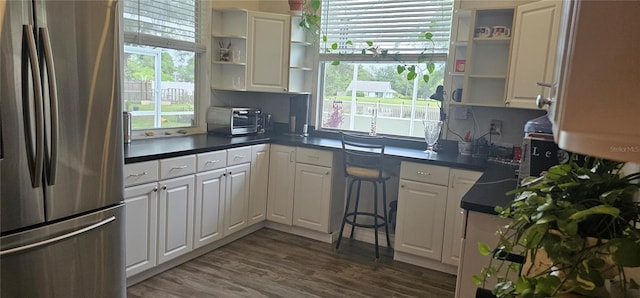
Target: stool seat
367,173
362,161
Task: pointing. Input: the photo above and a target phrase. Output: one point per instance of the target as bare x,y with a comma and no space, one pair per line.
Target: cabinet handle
543,84
224,174
211,161
178,168
155,189
327,173
402,186
291,156
164,187
313,157
453,181
423,173
138,175
541,101
238,156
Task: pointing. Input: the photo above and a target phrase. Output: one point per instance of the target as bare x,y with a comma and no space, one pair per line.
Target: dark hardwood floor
270,263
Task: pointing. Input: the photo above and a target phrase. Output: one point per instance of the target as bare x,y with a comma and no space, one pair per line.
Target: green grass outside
164,108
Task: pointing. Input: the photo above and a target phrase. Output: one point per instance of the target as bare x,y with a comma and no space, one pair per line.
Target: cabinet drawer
237,156
177,166
314,156
424,173
211,160
141,172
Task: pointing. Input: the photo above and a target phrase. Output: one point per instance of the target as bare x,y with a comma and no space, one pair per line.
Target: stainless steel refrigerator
61,150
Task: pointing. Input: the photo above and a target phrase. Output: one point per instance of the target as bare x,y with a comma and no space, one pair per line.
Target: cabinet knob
155,189
541,101
402,186
164,187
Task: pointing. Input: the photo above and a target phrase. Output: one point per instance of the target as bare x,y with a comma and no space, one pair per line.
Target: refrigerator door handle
58,238
52,158
35,162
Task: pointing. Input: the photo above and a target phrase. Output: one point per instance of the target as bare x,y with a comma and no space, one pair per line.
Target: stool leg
346,210
375,216
384,209
355,210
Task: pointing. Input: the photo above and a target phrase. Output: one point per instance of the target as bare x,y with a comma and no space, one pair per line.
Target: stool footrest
369,214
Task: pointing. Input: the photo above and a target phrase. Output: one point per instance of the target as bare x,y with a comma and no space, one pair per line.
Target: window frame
348,54
201,99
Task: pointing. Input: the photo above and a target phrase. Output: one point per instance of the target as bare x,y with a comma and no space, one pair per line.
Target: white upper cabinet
268,44
533,53
596,104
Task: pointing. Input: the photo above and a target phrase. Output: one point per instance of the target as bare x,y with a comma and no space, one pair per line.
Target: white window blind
163,23
394,25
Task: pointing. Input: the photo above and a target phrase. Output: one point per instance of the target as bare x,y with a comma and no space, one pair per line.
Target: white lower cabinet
420,218
305,190
460,182
209,208
312,197
140,227
175,217
429,219
258,190
236,198
282,167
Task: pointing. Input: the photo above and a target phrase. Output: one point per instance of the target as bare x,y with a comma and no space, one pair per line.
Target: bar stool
362,161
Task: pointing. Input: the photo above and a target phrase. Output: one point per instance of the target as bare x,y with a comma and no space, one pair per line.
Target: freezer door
84,145
21,194
81,257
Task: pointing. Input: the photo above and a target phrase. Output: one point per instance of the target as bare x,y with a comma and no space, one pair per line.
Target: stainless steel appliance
232,121
61,150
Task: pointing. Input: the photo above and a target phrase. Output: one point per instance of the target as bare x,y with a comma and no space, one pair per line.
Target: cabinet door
237,198
460,182
209,208
175,220
420,219
140,227
534,51
281,184
259,183
312,197
268,64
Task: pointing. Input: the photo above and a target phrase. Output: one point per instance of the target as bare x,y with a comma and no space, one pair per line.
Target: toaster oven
232,121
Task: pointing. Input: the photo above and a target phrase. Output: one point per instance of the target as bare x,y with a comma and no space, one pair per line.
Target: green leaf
348,42
625,252
400,69
315,4
600,209
484,249
425,78
335,62
411,75
334,46
428,35
369,43
431,67
477,280
324,38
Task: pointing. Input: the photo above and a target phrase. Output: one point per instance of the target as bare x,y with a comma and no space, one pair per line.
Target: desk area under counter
428,188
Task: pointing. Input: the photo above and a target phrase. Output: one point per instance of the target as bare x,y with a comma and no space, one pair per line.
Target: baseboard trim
424,262
311,234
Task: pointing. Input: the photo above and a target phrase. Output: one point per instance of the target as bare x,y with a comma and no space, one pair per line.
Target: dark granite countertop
489,191
159,148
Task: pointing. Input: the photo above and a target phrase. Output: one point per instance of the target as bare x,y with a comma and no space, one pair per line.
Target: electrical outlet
495,127
460,112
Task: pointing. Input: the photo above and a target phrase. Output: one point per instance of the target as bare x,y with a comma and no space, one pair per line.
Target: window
366,86
162,49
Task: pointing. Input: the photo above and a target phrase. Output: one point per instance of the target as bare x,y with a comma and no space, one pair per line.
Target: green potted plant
575,226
